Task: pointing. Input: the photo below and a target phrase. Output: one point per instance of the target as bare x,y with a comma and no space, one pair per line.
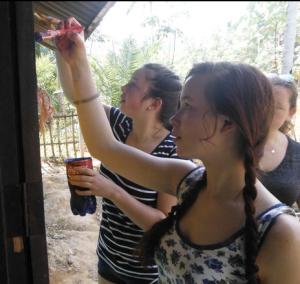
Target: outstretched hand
96,183
70,46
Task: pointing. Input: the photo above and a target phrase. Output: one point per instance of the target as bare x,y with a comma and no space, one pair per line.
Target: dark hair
290,85
165,84
243,94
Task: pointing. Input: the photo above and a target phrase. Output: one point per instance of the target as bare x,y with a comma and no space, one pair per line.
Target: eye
132,84
186,105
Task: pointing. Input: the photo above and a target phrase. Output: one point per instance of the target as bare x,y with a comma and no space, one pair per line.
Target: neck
144,131
271,142
226,184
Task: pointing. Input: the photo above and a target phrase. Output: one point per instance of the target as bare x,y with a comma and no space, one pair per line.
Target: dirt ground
71,240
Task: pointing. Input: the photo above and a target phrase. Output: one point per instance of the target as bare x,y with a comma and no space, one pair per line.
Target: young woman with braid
227,227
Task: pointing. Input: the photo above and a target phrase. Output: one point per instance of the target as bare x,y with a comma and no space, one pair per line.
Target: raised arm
157,173
66,80
65,77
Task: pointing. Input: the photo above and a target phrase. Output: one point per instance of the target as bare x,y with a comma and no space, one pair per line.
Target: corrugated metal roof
88,13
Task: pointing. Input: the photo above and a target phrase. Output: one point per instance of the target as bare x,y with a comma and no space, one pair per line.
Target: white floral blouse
182,262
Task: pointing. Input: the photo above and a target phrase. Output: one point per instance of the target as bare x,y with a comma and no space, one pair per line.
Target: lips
122,100
177,137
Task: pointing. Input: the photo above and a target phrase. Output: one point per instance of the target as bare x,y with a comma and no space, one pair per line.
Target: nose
124,88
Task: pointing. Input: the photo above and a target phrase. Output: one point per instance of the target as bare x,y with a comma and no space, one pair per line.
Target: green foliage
117,68
46,71
152,21
256,38
97,36
264,27
47,75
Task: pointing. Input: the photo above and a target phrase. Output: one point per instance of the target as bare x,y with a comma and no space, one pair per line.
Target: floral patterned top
181,262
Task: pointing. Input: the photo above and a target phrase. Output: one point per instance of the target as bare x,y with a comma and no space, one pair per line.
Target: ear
291,114
156,104
228,126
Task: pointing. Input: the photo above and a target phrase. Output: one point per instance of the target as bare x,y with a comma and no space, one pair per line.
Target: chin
186,153
122,109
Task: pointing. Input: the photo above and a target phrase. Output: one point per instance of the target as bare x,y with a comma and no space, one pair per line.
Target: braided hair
243,94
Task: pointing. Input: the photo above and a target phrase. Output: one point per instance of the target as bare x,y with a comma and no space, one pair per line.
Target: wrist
115,193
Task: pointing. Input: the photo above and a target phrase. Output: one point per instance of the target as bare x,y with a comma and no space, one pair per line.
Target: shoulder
117,117
189,181
292,143
293,153
107,109
269,216
113,112
287,227
284,235
279,256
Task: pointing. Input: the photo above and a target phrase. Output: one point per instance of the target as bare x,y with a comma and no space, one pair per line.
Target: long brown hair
243,94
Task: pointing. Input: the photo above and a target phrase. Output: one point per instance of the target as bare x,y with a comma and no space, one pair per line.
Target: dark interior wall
21,192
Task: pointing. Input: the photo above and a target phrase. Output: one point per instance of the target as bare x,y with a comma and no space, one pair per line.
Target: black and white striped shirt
118,235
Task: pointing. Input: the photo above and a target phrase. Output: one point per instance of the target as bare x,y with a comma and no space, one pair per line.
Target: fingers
88,184
96,184
70,46
75,37
81,179
65,24
85,177
84,192
71,21
85,171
